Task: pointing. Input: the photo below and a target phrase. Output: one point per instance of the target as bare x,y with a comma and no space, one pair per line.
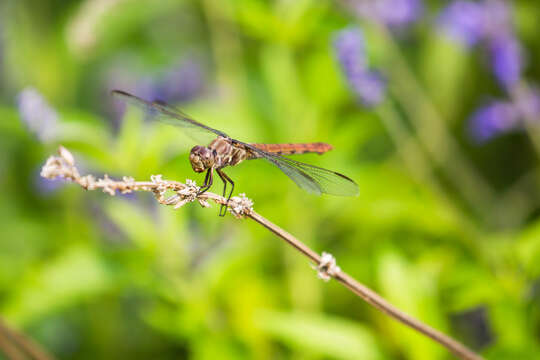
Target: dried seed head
240,206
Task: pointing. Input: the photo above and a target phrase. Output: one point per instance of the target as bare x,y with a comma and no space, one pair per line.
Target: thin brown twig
15,345
241,207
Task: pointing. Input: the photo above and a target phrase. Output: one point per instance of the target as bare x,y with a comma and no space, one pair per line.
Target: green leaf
444,69
320,334
75,274
133,221
528,249
412,290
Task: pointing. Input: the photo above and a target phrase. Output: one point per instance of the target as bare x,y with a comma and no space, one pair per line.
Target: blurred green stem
432,131
532,121
519,198
226,46
419,165
407,147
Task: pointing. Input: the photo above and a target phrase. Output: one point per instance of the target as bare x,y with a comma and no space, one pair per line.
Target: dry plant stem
241,207
15,345
380,303
9,350
291,240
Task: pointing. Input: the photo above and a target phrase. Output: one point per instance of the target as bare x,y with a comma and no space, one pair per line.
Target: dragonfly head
201,158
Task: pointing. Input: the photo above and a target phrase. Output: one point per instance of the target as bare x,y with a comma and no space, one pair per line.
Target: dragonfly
225,151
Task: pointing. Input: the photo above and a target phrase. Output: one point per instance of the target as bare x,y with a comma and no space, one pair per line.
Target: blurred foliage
90,276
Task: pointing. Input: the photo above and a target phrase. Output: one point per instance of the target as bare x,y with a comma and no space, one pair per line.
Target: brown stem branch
9,349
370,296
241,207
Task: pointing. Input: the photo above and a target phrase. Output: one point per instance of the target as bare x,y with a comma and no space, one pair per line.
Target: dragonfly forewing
168,114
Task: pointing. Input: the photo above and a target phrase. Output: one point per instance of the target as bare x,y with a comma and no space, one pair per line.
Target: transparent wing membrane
313,179
170,115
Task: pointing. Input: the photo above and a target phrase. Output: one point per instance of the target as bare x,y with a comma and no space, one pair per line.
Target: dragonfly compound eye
196,158
201,158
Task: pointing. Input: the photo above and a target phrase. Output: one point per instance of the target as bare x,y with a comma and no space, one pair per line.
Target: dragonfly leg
223,208
224,182
208,180
225,179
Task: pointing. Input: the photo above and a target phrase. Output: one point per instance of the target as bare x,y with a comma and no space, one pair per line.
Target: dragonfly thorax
201,158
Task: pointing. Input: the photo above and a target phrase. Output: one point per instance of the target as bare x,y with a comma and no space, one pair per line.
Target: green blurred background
445,229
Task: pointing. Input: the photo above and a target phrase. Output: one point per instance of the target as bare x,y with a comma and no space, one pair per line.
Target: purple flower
178,83
463,21
470,22
528,104
370,87
492,120
497,18
38,116
393,13
487,22
398,13
350,50
182,83
506,59
47,186
499,117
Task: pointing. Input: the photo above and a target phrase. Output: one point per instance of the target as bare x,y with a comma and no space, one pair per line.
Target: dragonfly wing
170,115
311,178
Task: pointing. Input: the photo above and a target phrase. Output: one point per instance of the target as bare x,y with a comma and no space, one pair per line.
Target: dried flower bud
240,206
66,155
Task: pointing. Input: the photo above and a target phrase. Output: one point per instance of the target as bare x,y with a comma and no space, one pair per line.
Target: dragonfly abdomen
290,149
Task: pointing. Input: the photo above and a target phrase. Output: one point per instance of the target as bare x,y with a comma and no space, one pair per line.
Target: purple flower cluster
506,60
493,119
498,117
489,23
368,84
392,13
38,116
42,121
179,83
